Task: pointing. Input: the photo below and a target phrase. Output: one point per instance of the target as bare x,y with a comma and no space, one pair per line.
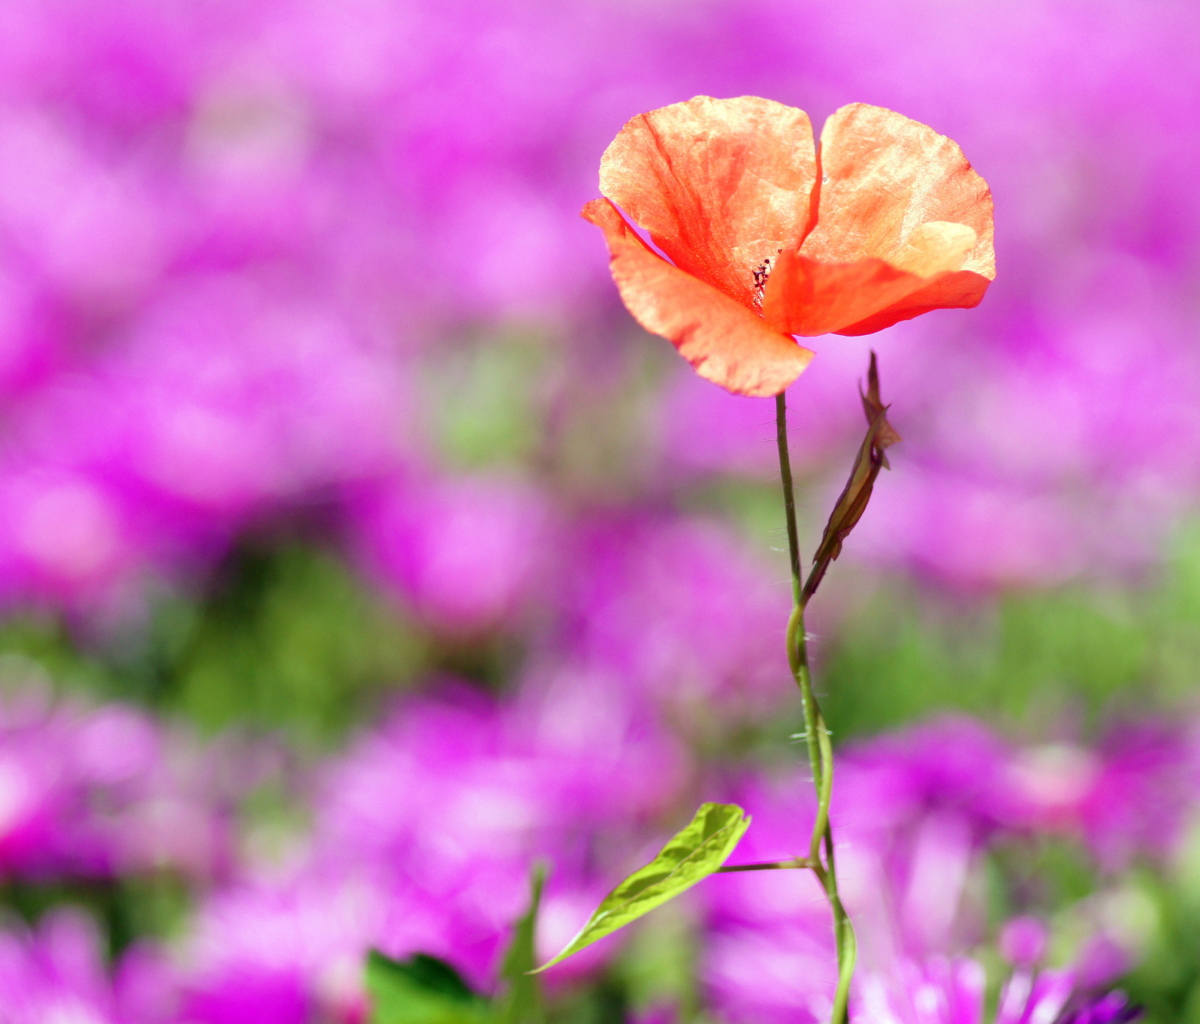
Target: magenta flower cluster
916,812
228,238
423,834
236,243
103,792
57,972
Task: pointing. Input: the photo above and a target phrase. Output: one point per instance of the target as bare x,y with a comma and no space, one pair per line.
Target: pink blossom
425,836
676,610
99,792
57,972
465,553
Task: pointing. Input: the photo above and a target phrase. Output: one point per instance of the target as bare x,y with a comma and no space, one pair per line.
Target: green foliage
421,990
1166,980
657,965
695,852
522,1002
426,990
483,400
1027,657
1046,872
287,638
38,648
291,639
151,905
605,1002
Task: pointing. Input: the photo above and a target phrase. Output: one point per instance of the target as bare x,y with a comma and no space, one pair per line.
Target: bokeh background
356,548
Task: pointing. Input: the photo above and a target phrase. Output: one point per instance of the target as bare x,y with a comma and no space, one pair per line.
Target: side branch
770,865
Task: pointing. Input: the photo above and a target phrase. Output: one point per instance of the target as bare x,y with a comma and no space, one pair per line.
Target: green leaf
420,990
702,847
522,1002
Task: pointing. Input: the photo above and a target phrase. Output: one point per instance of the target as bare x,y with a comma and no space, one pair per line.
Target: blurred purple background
315,385
231,239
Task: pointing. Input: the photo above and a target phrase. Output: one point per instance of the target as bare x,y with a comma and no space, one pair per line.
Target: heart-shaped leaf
702,847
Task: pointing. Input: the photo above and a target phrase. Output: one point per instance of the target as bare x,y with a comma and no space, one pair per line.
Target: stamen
762,274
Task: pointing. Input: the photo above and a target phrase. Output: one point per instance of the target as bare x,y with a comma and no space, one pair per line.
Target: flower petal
723,340
720,185
960,290
808,297
884,175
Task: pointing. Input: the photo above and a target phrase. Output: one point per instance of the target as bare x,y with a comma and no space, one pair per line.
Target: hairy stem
820,749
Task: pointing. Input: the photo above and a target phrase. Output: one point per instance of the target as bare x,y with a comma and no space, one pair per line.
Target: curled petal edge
884,174
961,289
808,297
724,341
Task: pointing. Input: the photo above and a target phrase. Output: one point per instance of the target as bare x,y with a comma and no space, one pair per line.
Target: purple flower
287,198
100,792
464,552
931,519
674,610
1127,798
912,813
940,991
424,839
1023,941
704,428
1027,998
57,972
1143,793
1109,1008
944,991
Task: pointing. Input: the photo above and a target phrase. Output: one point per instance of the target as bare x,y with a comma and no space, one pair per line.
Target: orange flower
769,236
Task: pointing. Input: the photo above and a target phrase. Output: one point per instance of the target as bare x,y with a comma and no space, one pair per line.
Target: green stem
820,748
798,662
771,865
847,943
789,502
821,827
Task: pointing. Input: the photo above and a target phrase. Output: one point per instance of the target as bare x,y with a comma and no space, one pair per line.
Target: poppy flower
767,235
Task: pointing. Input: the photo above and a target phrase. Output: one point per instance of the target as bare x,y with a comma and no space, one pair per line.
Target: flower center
761,274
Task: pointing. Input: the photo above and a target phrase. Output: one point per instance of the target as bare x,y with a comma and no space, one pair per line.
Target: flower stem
820,748
789,506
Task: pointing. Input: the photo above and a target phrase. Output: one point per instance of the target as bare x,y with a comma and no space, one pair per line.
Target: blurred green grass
291,638
285,638
1030,662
